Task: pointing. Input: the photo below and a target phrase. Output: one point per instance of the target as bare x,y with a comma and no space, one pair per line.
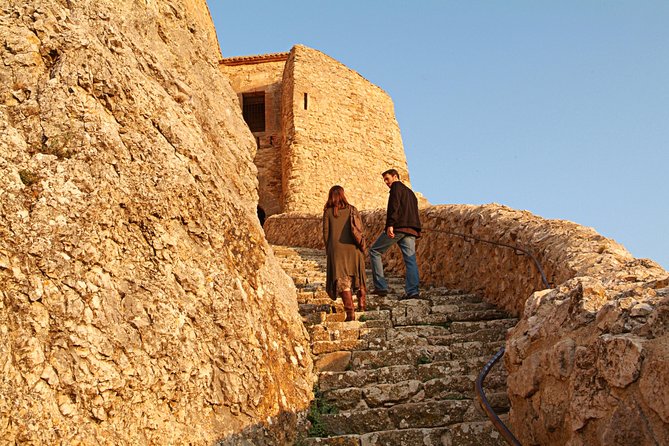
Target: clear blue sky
557,107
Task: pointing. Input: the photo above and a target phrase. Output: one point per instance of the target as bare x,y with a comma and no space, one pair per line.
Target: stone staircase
403,373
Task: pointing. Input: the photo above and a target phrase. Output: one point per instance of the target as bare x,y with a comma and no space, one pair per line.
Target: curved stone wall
588,359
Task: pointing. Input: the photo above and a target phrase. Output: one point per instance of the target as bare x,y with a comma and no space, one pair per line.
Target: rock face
139,301
588,359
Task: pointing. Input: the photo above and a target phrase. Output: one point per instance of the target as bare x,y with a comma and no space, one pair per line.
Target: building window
253,109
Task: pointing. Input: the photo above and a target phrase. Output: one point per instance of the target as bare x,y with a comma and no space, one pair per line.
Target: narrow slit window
253,110
306,100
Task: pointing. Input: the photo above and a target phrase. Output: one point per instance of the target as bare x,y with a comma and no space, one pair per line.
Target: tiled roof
248,60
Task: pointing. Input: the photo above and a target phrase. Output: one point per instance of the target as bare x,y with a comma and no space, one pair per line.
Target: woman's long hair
336,200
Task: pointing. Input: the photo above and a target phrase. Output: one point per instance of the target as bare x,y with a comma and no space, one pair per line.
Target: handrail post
496,421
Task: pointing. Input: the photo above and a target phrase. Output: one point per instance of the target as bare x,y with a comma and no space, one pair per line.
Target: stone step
372,359
446,334
418,312
366,316
429,414
385,338
479,433
408,437
397,373
450,327
403,372
441,303
411,391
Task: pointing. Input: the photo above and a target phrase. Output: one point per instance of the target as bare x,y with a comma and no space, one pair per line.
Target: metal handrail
496,421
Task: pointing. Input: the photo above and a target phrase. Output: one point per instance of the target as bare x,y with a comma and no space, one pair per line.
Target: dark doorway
261,216
253,110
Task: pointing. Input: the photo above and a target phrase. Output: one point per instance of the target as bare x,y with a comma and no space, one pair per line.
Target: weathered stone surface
580,347
654,386
429,414
325,124
619,359
386,394
472,434
139,301
333,362
404,437
346,133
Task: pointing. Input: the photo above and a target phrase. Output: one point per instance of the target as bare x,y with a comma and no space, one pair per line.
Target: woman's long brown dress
345,262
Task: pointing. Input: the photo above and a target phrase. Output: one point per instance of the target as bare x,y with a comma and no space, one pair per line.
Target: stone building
316,123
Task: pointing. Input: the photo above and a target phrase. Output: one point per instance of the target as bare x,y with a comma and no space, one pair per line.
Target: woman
344,246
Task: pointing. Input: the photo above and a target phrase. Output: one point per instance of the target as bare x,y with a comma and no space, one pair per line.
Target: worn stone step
428,414
396,373
313,296
418,312
334,331
339,440
366,316
385,338
403,390
372,359
448,328
397,437
435,298
462,434
477,433
397,339
405,437
316,307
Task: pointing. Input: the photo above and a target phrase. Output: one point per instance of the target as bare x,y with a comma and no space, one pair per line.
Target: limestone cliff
139,301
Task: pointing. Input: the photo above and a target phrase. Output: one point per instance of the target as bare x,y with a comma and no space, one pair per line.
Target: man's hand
390,232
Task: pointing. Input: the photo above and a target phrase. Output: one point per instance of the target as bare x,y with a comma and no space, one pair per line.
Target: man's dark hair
391,172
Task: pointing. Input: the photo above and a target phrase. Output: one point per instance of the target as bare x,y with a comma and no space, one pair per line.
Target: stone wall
338,129
263,74
588,359
139,300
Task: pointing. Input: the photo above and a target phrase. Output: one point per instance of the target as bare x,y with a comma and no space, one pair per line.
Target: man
402,227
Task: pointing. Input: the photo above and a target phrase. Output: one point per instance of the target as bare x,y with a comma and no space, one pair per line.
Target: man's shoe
379,292
410,296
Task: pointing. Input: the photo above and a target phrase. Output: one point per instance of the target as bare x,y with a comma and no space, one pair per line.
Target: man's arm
393,211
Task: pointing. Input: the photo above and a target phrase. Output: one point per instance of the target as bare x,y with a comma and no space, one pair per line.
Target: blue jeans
407,244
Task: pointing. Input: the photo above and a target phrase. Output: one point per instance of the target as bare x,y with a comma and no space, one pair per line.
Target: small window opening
306,100
253,110
271,140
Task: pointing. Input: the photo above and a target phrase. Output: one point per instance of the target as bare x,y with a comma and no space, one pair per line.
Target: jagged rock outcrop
139,301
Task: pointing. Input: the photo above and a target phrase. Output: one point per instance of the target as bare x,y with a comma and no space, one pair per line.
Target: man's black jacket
402,207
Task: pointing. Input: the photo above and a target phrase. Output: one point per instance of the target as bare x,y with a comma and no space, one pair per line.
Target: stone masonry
588,359
332,127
